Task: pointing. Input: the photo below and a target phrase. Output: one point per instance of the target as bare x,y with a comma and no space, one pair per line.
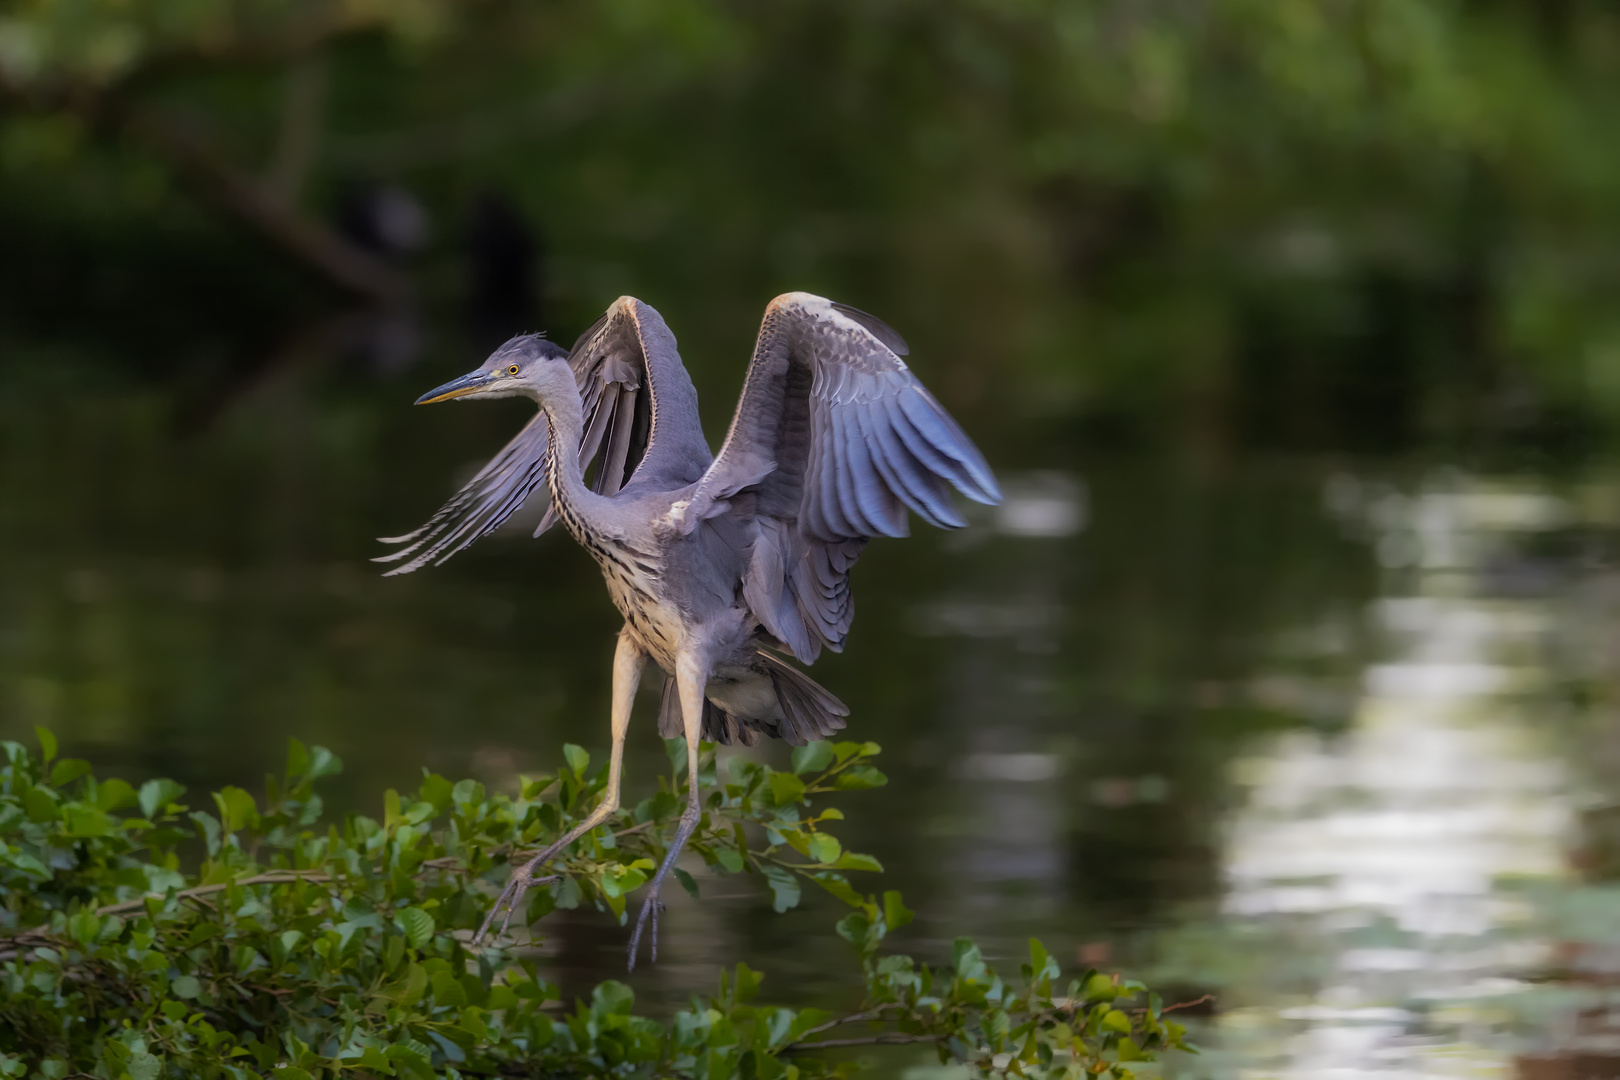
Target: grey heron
724,566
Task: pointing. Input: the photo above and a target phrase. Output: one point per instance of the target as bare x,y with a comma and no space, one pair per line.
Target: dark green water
1279,728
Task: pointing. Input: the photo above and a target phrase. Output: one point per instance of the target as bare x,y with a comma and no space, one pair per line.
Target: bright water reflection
1378,877
1294,735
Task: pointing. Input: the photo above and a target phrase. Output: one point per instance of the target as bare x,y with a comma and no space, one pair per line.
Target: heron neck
578,506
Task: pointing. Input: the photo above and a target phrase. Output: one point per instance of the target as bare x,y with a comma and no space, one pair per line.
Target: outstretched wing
641,420
833,440
488,499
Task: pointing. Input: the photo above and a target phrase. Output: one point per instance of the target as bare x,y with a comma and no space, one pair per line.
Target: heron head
527,366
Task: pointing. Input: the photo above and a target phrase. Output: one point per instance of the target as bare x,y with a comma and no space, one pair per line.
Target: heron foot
517,886
650,906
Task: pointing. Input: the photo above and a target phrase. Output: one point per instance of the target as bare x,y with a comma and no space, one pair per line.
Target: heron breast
654,620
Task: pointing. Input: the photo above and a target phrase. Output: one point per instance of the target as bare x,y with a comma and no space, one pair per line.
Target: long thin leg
691,676
628,662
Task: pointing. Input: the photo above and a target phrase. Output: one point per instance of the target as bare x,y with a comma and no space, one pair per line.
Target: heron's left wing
488,499
833,441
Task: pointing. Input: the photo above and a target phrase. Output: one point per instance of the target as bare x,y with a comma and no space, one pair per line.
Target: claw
517,886
652,906
648,906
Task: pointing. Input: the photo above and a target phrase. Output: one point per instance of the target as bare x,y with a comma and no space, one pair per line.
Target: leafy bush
317,948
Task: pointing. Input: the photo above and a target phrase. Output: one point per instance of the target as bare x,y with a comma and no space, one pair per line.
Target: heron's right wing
639,406
488,499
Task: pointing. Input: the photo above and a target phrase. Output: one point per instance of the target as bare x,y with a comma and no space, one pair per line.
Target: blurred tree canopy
1366,219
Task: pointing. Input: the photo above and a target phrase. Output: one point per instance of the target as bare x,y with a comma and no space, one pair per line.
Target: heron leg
628,662
691,676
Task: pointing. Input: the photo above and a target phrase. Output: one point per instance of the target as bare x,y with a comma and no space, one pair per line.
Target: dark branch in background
306,240
226,186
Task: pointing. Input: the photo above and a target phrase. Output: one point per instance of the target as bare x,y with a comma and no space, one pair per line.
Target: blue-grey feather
971,475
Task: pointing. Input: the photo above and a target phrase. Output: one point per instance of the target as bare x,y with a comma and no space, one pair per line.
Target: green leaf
209,827
323,763
297,760
67,770
418,926
843,751
47,743
854,860
1129,1051
784,887
237,810
825,848
114,794
391,814
687,882
83,926
853,927
676,749
895,913
747,983
787,789
837,885
291,1072
1101,988
186,986
85,821
612,997
447,990
416,984
156,795
1114,1020
436,791
567,893
578,759
858,778
40,804
967,959
812,757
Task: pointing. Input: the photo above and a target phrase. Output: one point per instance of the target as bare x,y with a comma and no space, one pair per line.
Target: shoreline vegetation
145,937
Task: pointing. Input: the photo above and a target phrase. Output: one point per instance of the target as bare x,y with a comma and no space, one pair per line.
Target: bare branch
852,1018
1187,1004
892,1038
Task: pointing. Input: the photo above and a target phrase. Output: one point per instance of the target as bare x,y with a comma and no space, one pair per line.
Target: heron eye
513,370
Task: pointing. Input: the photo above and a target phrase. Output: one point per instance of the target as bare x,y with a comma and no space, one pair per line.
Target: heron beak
470,383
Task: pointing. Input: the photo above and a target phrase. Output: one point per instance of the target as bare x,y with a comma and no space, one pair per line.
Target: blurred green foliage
319,951
1361,218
